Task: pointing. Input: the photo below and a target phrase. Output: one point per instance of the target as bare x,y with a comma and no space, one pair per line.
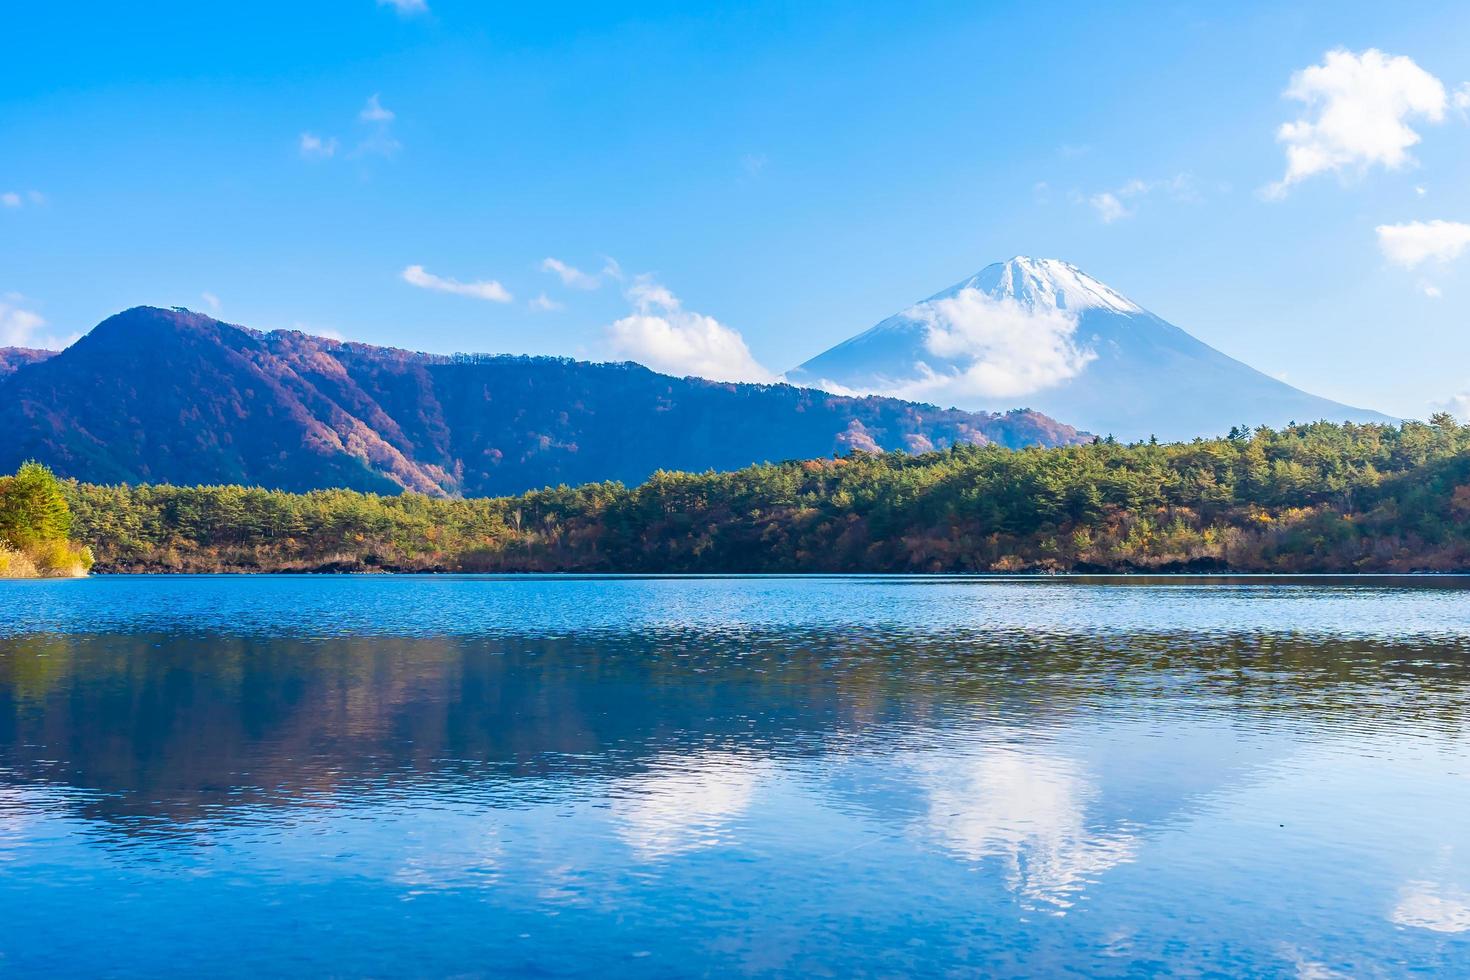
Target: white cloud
1431,290
754,163
545,304
314,147
210,300
996,348
1414,242
406,8
10,199
1462,96
488,289
373,111
1457,405
664,336
1358,110
1426,905
1108,207
570,275
575,278
20,327
377,118
381,142
1113,205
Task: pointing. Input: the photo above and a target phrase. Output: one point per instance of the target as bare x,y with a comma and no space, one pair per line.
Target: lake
562,776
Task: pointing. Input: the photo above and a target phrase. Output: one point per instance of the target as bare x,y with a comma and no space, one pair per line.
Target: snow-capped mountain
1043,334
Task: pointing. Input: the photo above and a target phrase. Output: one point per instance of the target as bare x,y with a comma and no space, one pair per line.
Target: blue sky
793,173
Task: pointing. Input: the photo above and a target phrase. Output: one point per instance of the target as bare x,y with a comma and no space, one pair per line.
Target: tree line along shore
1317,497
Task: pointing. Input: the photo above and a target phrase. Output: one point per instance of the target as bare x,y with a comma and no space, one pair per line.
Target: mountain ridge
155,395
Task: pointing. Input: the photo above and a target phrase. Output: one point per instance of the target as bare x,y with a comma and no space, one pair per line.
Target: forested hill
169,396
1312,498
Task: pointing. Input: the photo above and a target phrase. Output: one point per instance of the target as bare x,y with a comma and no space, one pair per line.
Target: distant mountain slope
172,396
1042,333
12,359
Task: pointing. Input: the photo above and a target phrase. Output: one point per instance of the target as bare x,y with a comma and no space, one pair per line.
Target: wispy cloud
1359,108
487,289
1416,242
15,200
374,112
545,304
574,278
1121,202
406,8
314,147
570,275
375,117
1108,207
210,300
381,141
664,336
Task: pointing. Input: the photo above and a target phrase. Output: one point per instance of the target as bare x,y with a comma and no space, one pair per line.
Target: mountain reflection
166,731
702,785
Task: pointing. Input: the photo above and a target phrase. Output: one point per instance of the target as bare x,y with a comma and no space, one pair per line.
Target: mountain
172,396
1042,333
12,359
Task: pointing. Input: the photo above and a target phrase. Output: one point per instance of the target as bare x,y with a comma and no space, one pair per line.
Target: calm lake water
672,777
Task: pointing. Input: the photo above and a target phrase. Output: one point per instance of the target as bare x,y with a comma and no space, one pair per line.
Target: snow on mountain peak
1044,284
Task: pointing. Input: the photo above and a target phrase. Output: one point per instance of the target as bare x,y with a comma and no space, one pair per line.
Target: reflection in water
683,802
735,776
1029,810
1430,905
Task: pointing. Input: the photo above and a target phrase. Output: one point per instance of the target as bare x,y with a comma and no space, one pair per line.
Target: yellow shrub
61,559
14,564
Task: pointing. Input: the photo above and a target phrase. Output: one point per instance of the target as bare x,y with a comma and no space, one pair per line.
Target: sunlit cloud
1358,114
545,304
486,289
990,347
22,327
1416,242
662,335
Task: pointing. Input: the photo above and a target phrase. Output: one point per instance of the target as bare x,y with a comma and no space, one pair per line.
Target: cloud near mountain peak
1000,348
